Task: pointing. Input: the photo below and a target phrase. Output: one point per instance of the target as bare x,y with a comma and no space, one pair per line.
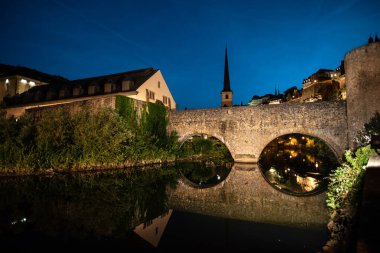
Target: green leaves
62,139
346,180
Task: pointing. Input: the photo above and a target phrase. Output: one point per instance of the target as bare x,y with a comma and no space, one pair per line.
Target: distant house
147,85
321,84
15,80
266,99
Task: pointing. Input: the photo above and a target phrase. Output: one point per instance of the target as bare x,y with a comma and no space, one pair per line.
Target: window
226,96
165,99
91,90
76,91
6,84
159,84
62,93
107,87
151,95
126,85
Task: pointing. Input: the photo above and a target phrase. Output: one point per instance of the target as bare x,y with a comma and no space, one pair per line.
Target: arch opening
203,161
297,164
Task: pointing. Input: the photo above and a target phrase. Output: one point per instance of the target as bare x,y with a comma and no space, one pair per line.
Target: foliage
61,139
370,128
346,180
210,148
150,139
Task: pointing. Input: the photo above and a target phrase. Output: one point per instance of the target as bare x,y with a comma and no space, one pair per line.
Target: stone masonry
246,195
363,86
247,130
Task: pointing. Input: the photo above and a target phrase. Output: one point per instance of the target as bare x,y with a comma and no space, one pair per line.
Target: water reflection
202,174
297,164
148,210
85,208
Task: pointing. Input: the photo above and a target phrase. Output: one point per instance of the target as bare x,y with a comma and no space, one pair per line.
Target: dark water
131,210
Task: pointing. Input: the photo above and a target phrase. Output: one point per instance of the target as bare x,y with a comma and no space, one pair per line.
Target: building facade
147,85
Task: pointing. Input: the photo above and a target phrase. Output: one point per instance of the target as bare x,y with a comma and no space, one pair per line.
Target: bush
58,138
346,180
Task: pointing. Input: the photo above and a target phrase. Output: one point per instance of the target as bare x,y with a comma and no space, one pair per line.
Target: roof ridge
112,75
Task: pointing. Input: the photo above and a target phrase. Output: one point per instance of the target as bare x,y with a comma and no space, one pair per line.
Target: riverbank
351,226
84,168
109,166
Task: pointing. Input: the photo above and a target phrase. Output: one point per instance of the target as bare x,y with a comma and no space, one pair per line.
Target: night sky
270,43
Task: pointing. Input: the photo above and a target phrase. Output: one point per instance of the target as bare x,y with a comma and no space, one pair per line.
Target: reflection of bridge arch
222,173
245,195
246,130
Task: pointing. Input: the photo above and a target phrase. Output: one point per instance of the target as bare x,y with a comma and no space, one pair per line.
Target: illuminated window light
23,81
6,80
31,83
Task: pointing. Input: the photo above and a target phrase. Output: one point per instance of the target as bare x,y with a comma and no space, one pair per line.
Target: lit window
23,81
7,81
31,83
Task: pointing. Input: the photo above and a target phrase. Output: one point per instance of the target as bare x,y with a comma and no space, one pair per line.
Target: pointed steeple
370,39
226,86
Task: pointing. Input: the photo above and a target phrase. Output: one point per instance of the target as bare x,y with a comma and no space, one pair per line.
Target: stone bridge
246,130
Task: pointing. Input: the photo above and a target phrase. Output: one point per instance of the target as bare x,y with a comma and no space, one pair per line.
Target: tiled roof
9,70
51,91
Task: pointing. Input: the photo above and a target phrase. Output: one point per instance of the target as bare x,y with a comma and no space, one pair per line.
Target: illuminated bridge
246,130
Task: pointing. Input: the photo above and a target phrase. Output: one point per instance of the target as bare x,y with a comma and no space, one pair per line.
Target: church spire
226,92
226,86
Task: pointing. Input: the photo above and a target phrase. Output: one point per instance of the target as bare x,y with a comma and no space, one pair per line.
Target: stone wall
93,104
247,130
362,67
245,195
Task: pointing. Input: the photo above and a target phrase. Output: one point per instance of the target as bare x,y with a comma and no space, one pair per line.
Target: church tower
226,92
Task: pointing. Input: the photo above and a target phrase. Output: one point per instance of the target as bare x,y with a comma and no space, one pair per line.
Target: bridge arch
334,147
182,139
297,164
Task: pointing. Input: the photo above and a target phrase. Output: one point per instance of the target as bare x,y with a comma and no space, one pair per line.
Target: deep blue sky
270,43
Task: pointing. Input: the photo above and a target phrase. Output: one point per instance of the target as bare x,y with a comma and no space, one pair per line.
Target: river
186,207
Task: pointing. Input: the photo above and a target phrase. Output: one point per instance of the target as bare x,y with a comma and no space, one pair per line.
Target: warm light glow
293,153
307,183
23,81
31,83
6,80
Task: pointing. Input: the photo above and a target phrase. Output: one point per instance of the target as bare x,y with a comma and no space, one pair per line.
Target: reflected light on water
297,164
